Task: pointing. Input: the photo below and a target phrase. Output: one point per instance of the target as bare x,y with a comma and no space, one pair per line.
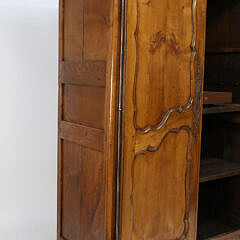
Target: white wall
28,116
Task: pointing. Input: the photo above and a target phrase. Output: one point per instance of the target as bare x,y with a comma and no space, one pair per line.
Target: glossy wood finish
162,116
88,63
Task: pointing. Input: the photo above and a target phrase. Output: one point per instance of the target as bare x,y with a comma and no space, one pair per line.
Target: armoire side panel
97,18
71,190
83,201
72,29
87,93
163,76
84,105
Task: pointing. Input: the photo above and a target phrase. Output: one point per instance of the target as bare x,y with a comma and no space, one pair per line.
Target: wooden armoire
147,150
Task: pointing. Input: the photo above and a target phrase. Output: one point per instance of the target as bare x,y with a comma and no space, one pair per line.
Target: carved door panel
163,66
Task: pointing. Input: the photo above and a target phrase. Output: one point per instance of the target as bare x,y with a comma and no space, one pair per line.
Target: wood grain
90,73
73,29
97,22
151,168
93,195
163,73
162,46
71,190
84,105
83,200
210,97
82,135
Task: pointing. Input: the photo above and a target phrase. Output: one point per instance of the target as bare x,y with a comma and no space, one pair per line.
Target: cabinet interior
219,190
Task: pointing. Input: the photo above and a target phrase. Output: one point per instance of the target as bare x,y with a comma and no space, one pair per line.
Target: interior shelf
214,168
210,97
219,191
221,108
227,236
222,50
214,229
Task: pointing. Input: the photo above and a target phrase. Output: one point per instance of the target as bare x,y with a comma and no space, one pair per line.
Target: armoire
149,123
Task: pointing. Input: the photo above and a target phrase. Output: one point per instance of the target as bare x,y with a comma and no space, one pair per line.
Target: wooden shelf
210,97
222,50
221,108
214,168
212,228
227,236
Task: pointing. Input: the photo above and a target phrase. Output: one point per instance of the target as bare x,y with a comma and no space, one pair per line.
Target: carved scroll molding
149,149
175,109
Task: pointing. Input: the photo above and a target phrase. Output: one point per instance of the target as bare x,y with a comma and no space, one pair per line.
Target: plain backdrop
28,119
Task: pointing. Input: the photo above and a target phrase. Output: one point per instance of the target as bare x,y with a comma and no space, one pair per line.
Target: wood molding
175,109
175,131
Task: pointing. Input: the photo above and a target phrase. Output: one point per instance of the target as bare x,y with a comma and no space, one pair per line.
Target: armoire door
162,78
